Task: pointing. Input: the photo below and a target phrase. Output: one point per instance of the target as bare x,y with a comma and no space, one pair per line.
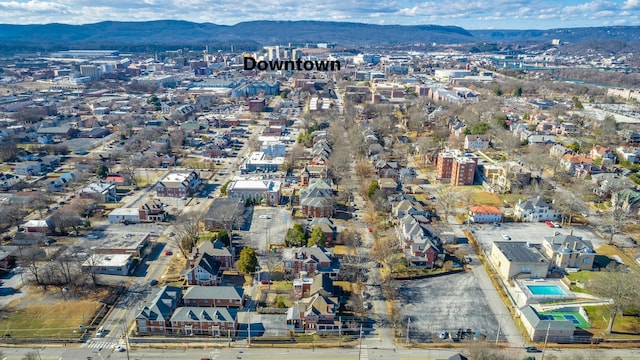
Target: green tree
224,237
479,128
317,237
248,262
576,103
223,189
497,91
102,171
295,236
373,187
517,91
574,147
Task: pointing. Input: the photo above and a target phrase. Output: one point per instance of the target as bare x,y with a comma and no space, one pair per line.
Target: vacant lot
57,320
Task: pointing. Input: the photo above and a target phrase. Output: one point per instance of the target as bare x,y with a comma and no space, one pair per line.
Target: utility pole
499,326
360,347
546,337
408,324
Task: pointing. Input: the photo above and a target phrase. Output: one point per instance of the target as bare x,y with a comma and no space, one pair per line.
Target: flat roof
520,251
107,260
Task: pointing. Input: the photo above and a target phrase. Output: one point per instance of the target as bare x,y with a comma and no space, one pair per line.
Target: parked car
153,282
549,223
556,225
444,335
92,236
506,237
119,348
531,349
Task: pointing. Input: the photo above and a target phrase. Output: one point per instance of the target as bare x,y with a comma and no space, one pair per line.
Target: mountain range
251,35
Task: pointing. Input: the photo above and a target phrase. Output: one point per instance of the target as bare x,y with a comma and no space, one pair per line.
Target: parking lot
267,225
446,303
534,233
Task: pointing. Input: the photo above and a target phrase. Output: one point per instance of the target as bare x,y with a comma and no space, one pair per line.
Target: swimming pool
554,290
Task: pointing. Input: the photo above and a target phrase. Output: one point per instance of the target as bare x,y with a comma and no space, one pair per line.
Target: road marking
101,344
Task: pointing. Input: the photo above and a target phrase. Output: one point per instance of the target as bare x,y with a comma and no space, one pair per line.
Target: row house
213,321
218,296
407,207
153,318
178,184
310,260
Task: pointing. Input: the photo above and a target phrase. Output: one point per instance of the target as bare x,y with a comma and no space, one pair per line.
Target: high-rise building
456,167
91,71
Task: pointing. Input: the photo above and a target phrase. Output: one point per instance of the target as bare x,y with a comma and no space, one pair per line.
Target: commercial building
518,258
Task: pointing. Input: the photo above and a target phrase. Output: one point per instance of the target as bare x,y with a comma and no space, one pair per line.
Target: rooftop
519,251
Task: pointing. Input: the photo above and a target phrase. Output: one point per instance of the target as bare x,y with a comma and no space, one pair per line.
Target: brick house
152,210
218,251
178,184
312,260
153,319
316,200
219,296
214,321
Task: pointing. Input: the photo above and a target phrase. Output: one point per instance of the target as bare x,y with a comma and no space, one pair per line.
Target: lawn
610,250
623,324
194,163
59,320
340,250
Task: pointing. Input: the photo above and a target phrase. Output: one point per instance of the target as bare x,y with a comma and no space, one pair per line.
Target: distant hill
130,36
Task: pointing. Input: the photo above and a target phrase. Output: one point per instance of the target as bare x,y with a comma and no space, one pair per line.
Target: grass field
58,320
610,250
628,325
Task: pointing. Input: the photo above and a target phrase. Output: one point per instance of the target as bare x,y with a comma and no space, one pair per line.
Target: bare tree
569,204
187,233
447,199
620,286
617,217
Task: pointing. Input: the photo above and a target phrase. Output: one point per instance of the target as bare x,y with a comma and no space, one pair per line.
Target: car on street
92,236
264,217
167,253
556,225
531,349
506,237
549,223
153,282
444,335
119,348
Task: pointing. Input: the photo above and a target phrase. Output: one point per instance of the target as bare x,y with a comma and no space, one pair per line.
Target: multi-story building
456,167
568,251
214,321
153,319
312,260
535,210
219,296
178,184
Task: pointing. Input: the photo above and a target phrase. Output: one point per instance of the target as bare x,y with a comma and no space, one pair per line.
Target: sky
469,14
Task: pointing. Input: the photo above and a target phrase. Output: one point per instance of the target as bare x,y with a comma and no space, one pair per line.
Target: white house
476,142
535,210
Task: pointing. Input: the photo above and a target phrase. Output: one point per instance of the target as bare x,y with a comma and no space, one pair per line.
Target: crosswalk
101,344
364,354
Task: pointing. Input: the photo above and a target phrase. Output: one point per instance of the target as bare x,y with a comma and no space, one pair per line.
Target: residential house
316,313
8,255
517,259
568,251
7,181
607,155
407,207
628,200
630,154
535,210
39,226
203,269
485,214
310,260
153,318
316,200
329,229
218,296
387,185
102,192
309,286
152,210
408,176
387,169
422,245
29,168
570,161
559,150
178,184
476,142
218,251
117,179
542,328
213,321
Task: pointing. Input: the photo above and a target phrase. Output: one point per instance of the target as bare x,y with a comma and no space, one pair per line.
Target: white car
506,237
264,217
119,348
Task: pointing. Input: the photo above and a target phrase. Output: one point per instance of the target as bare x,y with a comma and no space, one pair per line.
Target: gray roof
519,251
214,314
559,241
213,292
539,324
160,303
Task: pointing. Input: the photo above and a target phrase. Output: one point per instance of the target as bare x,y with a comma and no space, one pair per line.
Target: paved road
368,351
